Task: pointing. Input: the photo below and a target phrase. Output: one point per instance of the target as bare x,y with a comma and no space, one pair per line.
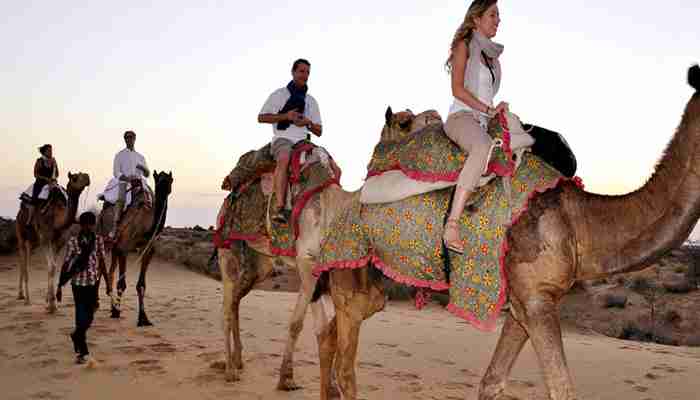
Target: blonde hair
464,33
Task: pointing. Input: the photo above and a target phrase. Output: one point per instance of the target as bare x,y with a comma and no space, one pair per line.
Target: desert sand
404,354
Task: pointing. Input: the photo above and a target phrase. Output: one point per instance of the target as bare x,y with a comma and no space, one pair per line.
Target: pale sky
191,77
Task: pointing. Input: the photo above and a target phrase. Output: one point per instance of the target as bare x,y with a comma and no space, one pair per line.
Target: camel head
164,183
694,77
77,182
399,125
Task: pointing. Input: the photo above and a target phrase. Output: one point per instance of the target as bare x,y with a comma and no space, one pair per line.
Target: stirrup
455,246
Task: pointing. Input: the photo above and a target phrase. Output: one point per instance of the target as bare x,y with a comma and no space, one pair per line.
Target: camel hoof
116,314
334,392
287,385
27,302
20,296
232,376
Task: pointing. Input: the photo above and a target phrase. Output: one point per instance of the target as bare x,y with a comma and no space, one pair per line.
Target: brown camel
49,228
247,264
567,235
138,228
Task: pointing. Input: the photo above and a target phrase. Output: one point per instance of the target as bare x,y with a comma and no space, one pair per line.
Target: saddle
427,160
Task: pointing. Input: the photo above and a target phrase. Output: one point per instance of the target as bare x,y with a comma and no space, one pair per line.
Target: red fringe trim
488,325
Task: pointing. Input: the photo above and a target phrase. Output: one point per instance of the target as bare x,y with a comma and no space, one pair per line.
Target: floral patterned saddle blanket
244,213
404,238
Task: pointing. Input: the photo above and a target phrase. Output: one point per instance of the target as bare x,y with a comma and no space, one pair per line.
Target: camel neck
629,232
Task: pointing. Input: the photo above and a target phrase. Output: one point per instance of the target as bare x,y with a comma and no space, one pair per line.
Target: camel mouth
694,77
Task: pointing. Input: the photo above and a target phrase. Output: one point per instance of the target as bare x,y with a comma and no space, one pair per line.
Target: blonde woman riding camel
476,77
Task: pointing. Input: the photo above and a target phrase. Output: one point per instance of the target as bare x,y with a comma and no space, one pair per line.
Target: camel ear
170,174
70,176
388,114
155,173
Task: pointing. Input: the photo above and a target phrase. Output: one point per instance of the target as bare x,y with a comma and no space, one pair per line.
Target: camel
567,235
49,228
138,228
247,264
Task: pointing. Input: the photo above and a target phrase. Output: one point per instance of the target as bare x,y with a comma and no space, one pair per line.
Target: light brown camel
245,265
138,227
48,228
567,235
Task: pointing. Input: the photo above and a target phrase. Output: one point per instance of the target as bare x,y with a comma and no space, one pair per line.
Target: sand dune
405,354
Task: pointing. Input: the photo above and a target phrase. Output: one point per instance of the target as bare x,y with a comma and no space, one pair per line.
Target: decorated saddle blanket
134,193
404,240
428,160
26,196
246,208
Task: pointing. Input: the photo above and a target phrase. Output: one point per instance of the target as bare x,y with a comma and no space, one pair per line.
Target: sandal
450,236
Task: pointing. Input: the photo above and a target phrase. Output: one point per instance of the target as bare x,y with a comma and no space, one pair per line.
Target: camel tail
322,287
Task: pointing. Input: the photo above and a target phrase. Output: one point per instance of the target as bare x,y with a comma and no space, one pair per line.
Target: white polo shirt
294,133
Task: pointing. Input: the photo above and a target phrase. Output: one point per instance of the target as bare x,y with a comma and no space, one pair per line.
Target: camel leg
296,324
348,329
141,288
225,261
50,292
327,348
118,258
23,267
542,323
27,258
510,344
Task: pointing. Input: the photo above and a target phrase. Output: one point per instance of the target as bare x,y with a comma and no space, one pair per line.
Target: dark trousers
85,298
38,185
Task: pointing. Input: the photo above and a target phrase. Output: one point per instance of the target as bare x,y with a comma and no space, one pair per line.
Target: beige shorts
280,146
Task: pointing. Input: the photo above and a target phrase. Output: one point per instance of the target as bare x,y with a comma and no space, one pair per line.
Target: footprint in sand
210,356
413,387
369,388
402,353
458,385
43,363
303,363
365,364
468,372
162,347
30,341
442,362
401,376
389,345
652,376
147,365
641,389
46,395
61,376
130,350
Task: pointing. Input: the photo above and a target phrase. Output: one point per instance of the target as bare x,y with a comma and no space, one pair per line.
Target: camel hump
694,77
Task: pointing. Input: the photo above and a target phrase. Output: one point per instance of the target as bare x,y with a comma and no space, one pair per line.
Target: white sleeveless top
485,93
